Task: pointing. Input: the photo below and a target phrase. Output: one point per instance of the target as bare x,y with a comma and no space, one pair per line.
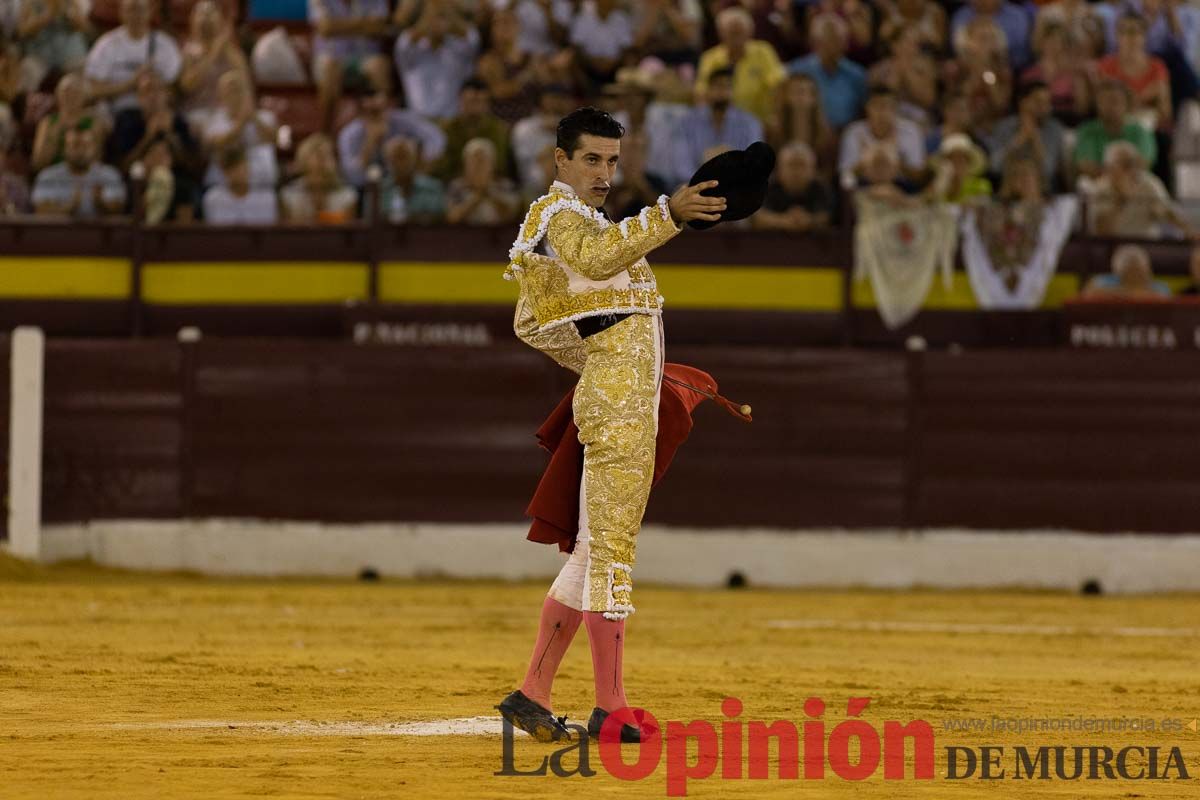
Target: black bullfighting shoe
532,718
629,733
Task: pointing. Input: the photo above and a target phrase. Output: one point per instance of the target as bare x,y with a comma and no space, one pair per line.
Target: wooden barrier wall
121,279
1089,440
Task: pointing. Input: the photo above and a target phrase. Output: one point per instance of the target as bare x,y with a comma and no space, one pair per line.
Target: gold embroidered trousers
616,411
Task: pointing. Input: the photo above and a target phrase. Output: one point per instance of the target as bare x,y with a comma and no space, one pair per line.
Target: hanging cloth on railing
899,247
1011,250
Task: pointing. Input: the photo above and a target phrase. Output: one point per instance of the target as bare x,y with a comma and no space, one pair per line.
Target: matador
589,300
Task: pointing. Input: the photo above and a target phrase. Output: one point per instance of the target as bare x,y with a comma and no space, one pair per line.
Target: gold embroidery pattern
557,309
614,410
603,251
607,260
561,342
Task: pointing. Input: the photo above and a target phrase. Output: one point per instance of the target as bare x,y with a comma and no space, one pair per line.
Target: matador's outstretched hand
688,204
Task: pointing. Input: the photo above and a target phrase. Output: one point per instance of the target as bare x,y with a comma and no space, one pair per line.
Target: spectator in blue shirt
1131,278
717,124
1168,24
843,84
1014,20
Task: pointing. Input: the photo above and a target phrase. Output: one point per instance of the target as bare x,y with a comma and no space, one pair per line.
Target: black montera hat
741,176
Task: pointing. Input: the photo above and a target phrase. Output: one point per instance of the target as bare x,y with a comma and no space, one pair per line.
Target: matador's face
589,170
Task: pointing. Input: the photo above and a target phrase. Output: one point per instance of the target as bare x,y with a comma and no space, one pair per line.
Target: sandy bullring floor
130,686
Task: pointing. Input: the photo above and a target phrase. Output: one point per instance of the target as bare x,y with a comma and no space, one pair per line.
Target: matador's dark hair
586,120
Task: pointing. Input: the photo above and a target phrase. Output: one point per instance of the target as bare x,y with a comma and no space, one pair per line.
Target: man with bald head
842,83
124,53
755,64
796,199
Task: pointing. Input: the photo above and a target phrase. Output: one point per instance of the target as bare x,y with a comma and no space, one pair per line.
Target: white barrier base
1122,563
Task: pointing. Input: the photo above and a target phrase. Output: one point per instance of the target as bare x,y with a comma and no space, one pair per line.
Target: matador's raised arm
600,251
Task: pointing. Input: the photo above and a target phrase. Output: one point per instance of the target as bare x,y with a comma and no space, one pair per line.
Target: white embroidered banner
899,247
1011,251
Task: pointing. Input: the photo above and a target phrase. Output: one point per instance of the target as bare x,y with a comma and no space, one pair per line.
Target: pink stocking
555,632
607,637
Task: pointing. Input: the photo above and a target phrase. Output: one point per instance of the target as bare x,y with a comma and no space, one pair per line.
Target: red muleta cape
555,504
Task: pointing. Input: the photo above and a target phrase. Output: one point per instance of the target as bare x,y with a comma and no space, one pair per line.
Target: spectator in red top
1145,75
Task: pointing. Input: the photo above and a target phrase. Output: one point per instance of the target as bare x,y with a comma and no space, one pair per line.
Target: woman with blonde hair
318,195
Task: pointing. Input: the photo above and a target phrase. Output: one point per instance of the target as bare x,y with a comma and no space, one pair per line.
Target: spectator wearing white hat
959,168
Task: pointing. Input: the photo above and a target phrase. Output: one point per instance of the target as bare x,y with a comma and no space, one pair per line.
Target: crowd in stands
257,112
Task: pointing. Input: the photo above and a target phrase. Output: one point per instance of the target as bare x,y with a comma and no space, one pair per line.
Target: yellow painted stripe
450,282
254,282
64,278
685,286
754,288
758,288
959,296
1061,287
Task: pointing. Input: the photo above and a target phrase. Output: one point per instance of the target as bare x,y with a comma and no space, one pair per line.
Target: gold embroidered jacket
589,266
